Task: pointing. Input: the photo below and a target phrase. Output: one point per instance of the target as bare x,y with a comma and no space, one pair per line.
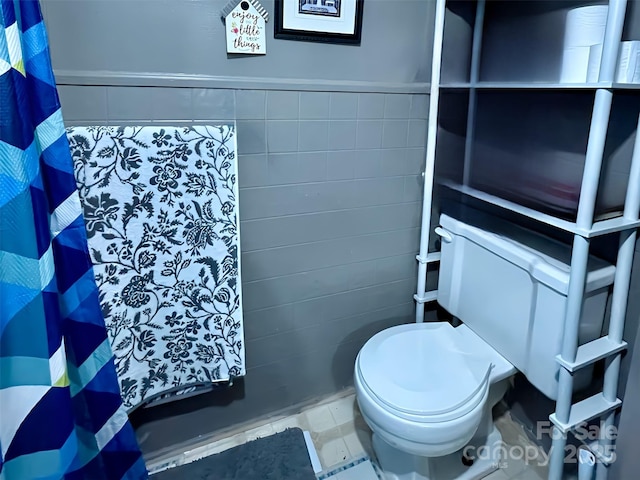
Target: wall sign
245,26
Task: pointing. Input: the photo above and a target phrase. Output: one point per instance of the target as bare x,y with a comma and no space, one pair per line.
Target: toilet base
398,465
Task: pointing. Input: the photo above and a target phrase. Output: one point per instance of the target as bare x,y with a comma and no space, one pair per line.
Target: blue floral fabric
161,213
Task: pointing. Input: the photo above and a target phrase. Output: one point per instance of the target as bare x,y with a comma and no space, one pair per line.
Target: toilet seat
424,388
418,372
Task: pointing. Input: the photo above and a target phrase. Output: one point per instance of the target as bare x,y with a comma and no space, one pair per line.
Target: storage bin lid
417,369
545,259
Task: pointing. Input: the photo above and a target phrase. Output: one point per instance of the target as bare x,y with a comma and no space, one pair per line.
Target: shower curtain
61,415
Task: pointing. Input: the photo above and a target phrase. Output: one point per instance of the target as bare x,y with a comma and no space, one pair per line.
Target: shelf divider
602,227
536,86
426,297
591,352
583,411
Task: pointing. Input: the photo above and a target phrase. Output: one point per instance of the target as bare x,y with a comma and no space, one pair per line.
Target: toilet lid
416,369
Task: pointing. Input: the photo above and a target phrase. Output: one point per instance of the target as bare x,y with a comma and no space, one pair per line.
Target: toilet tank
511,290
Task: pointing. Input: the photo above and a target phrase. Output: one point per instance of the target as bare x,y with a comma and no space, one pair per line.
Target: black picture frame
309,29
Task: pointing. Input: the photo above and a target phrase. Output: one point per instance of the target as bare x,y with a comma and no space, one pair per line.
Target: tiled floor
358,469
357,472
339,433
513,467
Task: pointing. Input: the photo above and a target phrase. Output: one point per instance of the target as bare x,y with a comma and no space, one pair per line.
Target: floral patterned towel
161,213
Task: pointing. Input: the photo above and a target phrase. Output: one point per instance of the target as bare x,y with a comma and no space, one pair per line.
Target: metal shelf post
432,131
619,301
573,356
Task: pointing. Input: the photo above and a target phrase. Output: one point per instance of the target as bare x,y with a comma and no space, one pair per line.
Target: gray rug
282,456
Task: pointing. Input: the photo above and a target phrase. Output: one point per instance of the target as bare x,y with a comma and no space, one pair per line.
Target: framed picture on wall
330,21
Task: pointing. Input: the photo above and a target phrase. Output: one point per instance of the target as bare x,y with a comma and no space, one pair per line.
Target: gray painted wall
330,191
330,210
186,37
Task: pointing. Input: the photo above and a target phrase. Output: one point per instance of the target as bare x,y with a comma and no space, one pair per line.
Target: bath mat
161,211
282,456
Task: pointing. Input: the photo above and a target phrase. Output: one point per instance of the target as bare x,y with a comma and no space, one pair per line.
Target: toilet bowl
426,390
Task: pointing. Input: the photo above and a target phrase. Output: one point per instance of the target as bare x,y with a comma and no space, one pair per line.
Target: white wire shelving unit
573,357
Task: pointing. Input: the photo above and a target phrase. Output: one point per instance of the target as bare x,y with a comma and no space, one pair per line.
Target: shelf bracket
591,352
430,258
581,412
427,297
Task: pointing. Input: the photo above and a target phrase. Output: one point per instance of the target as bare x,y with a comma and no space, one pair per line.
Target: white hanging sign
245,26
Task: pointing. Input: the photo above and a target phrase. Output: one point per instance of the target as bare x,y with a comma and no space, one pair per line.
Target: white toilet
427,389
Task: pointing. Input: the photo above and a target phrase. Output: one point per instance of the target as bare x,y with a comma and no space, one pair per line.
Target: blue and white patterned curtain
61,415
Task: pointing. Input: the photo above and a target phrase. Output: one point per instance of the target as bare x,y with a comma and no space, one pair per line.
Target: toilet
435,404
427,390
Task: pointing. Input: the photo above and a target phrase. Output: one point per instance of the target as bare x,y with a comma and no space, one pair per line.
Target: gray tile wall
330,208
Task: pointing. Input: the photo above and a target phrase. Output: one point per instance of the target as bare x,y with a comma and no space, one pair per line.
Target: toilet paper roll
627,61
636,74
575,63
595,60
627,65
585,26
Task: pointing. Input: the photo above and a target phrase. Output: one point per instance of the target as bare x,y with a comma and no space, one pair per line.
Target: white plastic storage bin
512,292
